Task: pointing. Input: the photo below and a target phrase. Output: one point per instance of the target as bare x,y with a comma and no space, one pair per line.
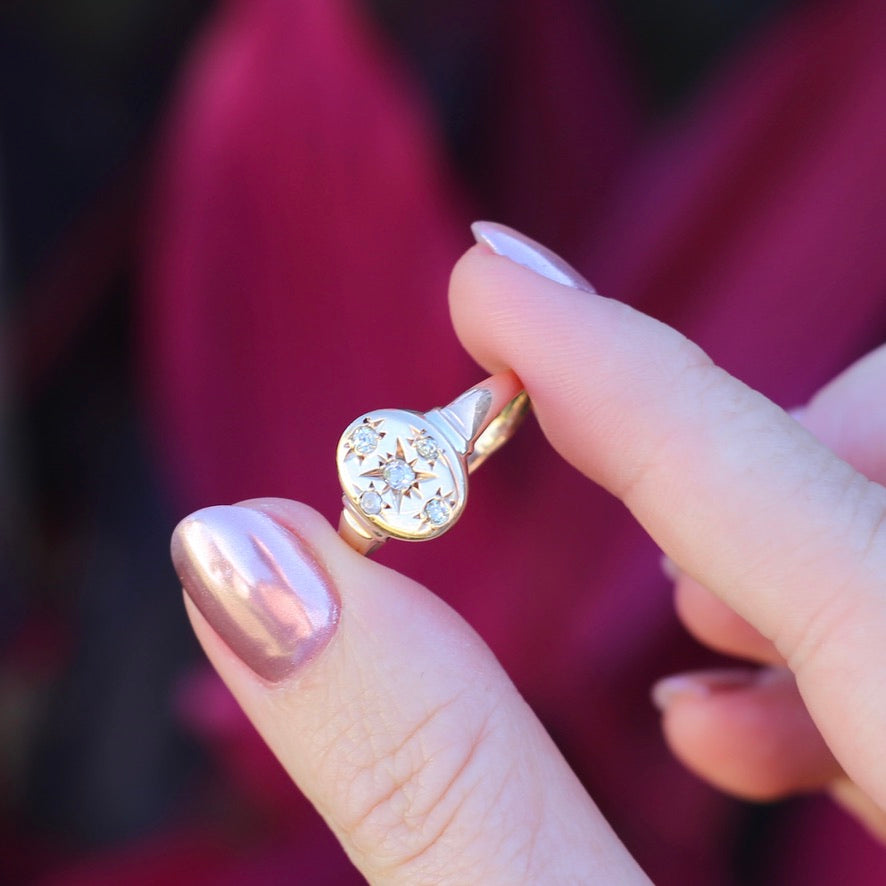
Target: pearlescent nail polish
524,251
258,586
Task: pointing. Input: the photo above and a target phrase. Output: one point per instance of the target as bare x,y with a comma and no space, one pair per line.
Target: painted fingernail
258,586
519,248
701,684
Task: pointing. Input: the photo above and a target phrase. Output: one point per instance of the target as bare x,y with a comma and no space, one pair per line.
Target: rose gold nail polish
258,586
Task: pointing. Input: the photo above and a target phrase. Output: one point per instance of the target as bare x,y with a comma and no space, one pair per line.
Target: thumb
385,708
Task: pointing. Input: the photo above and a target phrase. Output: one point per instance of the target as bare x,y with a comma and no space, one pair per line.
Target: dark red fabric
296,260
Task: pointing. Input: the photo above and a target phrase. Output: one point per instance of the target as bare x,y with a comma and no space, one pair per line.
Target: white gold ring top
404,474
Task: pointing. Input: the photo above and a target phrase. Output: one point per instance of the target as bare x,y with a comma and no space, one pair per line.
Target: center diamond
398,475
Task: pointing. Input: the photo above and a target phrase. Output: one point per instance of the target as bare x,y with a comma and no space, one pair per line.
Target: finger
848,415
732,488
857,803
385,708
747,732
719,626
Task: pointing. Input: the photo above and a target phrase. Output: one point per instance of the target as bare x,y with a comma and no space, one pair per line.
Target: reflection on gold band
500,430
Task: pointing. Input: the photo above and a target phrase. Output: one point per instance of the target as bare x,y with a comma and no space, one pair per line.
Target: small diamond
398,475
427,448
437,511
370,502
364,439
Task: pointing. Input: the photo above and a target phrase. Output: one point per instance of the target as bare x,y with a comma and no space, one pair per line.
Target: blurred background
216,216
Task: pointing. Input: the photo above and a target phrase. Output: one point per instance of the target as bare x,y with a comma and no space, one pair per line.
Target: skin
421,755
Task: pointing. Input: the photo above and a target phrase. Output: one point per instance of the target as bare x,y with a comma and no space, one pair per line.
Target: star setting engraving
400,477
401,474
364,439
424,444
371,501
438,509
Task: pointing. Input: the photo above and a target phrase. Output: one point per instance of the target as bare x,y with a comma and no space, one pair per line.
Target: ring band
404,474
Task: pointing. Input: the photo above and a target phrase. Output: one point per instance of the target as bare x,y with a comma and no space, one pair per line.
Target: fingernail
258,586
700,685
519,248
669,567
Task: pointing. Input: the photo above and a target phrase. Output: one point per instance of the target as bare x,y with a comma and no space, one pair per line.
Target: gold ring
404,474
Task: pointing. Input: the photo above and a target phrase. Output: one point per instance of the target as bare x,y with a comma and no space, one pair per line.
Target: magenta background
303,222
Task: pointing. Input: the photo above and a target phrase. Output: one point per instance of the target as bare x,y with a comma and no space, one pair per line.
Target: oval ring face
400,474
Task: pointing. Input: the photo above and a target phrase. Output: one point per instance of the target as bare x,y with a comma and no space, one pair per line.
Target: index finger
731,487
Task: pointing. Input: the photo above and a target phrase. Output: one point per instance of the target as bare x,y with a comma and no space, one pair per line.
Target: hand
397,722
781,546
748,731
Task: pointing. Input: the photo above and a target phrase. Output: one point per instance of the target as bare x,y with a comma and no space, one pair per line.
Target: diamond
364,439
437,511
427,448
398,475
370,502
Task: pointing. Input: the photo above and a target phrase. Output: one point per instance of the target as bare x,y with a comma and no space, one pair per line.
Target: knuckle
687,368
423,788
872,521
840,609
